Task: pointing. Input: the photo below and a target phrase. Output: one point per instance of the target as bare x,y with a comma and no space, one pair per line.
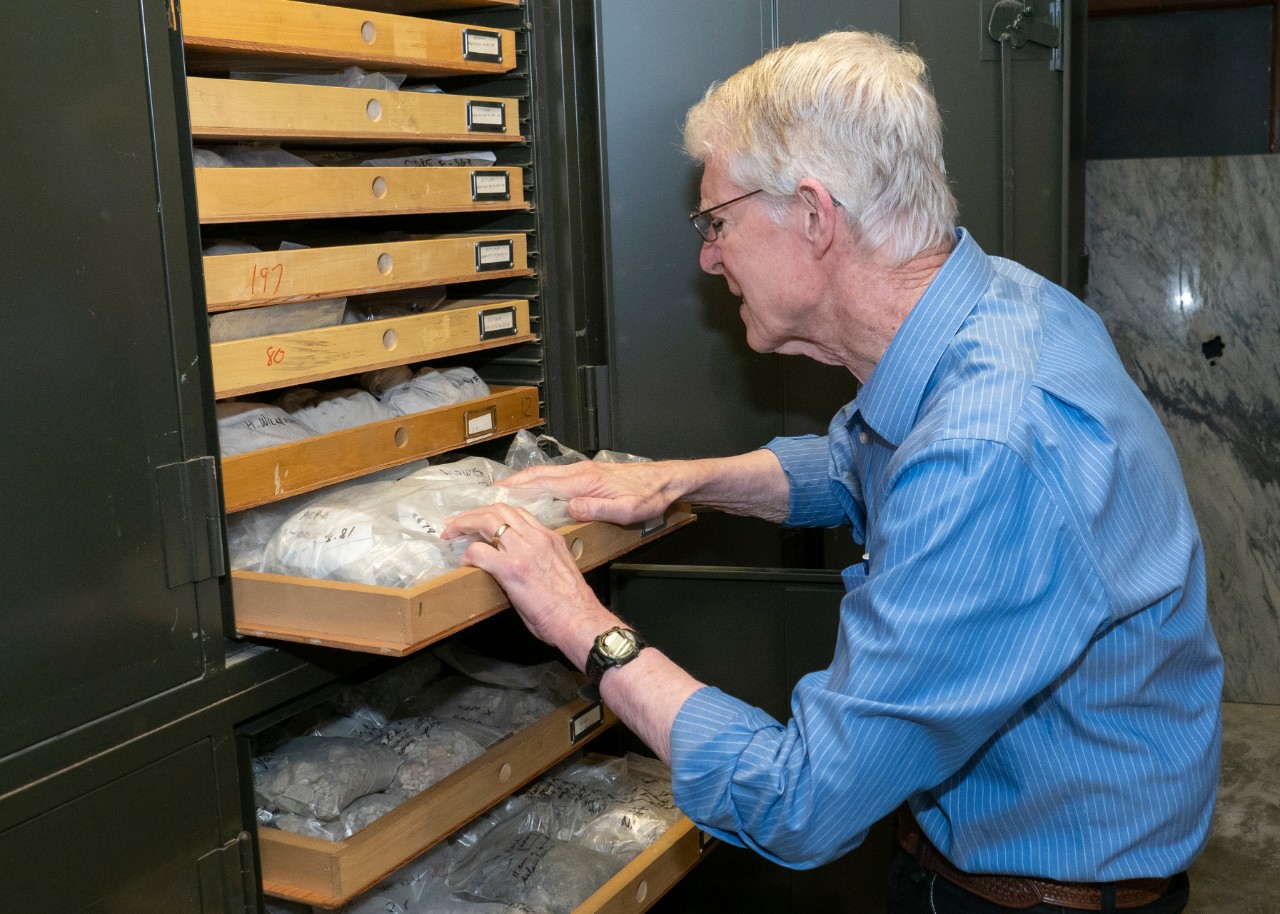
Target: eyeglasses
707,226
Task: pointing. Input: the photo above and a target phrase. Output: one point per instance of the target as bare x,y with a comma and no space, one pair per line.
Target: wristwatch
616,647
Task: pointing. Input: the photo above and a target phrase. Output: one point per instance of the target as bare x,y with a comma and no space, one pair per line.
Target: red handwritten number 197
261,279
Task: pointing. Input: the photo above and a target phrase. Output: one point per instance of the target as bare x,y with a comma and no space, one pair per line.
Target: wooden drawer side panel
284,470
233,109
272,277
286,359
320,34
263,194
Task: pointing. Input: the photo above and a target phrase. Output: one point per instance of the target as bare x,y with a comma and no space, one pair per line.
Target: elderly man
1024,665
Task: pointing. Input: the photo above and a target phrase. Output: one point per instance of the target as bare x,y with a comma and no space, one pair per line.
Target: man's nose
709,258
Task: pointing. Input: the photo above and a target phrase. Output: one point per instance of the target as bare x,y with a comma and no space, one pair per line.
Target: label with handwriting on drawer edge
495,255
483,46
490,185
488,117
585,721
496,322
479,422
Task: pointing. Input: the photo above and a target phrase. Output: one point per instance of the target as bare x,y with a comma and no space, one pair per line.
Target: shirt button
862,436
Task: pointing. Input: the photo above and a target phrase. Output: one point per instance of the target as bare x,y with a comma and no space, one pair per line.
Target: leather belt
1024,891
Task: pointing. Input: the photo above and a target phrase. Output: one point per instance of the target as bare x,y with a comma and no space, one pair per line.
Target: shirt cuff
807,460
710,732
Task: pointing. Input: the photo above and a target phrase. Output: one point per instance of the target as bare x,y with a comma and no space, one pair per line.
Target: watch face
617,643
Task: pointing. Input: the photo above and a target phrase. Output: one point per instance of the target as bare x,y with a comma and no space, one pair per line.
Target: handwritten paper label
489,117
497,322
482,46
490,185
495,255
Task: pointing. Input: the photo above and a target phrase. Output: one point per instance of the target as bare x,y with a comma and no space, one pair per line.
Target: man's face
760,260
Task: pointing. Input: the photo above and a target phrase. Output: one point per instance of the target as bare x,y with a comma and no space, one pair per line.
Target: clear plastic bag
497,709
431,389
333,410
244,426
529,450
432,749
388,533
249,156
401,303
319,776
349,78
531,868
402,890
477,158
270,319
551,679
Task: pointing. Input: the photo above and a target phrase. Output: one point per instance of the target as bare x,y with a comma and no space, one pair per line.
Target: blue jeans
915,890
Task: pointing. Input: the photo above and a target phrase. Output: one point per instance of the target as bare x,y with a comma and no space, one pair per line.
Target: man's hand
533,565
620,493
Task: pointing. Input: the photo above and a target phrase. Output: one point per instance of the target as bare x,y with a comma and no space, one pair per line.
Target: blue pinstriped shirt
1024,655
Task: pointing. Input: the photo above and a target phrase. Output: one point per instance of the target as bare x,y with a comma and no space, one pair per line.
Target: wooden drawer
271,277
398,621
650,875
284,470
287,359
329,873
254,31
262,194
237,109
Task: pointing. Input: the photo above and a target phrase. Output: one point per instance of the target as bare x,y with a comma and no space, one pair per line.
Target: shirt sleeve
976,597
807,460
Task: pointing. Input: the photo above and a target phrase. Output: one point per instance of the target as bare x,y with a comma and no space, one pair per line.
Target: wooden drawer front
262,194
269,362
284,470
231,109
329,873
650,875
399,621
245,280
315,33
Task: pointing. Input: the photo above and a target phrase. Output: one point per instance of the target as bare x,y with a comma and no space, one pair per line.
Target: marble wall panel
1185,271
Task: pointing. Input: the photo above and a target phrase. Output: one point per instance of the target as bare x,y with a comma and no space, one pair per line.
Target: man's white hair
853,110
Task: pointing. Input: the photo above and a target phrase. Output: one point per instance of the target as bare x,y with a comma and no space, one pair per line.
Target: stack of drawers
480,317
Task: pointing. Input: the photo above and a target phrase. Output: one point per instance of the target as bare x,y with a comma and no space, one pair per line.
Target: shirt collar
890,400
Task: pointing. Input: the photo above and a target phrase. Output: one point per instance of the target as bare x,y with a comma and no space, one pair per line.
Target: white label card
482,46
497,322
486,116
481,423
494,255
490,185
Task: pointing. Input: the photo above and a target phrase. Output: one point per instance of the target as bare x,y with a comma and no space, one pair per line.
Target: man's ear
819,211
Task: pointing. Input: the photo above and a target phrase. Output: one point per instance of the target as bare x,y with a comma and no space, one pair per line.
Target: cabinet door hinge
596,397
191,518
227,878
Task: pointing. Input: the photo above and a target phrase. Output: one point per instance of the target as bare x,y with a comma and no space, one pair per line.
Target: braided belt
1024,891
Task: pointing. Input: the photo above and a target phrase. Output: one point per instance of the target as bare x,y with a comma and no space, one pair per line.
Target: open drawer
398,621
271,277
284,359
256,31
238,109
330,873
264,194
284,470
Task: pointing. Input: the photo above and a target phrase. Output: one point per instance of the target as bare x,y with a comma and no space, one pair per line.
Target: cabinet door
102,378
147,842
